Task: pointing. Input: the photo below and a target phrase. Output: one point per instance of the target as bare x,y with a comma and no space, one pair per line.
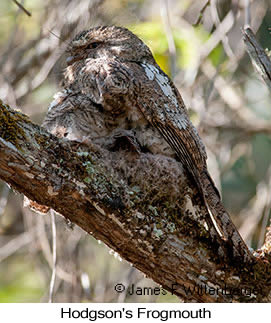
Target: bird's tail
222,220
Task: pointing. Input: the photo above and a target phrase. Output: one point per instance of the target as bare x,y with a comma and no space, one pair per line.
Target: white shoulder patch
152,73
162,80
149,71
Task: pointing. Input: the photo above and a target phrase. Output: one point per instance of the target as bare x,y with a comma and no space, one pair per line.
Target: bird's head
108,42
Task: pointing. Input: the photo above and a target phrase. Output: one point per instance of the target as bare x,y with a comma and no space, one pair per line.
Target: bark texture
142,206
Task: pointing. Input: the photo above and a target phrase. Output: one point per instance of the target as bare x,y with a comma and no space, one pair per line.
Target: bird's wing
58,107
184,142
166,111
151,90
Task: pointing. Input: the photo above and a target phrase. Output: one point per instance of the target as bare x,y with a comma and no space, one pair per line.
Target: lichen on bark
9,129
140,205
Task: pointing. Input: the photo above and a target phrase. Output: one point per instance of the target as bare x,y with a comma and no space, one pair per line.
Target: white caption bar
136,312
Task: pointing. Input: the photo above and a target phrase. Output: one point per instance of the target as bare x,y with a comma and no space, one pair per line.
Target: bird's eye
92,45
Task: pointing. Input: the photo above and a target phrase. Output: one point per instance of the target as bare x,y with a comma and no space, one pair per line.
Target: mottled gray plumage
112,82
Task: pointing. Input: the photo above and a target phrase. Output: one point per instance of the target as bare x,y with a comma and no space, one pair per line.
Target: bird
112,84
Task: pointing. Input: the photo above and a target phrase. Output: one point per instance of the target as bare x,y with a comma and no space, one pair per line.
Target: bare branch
15,244
201,13
217,22
257,55
169,35
53,276
218,35
22,7
247,13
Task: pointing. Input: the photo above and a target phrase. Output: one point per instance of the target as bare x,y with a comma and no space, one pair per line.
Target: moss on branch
141,205
10,130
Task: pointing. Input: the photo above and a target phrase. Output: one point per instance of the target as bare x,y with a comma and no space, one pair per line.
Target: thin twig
217,22
266,213
201,13
51,32
4,198
169,35
258,210
11,40
15,244
257,55
218,35
45,248
247,13
22,8
53,277
228,93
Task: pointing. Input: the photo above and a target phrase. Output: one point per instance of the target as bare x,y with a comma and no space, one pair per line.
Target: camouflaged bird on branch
112,86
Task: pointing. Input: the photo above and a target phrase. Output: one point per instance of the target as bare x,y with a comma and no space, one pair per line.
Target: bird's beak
71,59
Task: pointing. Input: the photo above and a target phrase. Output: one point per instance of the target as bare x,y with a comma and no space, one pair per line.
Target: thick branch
142,206
257,55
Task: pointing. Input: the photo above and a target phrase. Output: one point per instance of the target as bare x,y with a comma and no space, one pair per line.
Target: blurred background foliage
199,44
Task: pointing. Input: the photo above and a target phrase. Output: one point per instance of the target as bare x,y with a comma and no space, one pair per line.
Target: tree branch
141,205
22,7
257,55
